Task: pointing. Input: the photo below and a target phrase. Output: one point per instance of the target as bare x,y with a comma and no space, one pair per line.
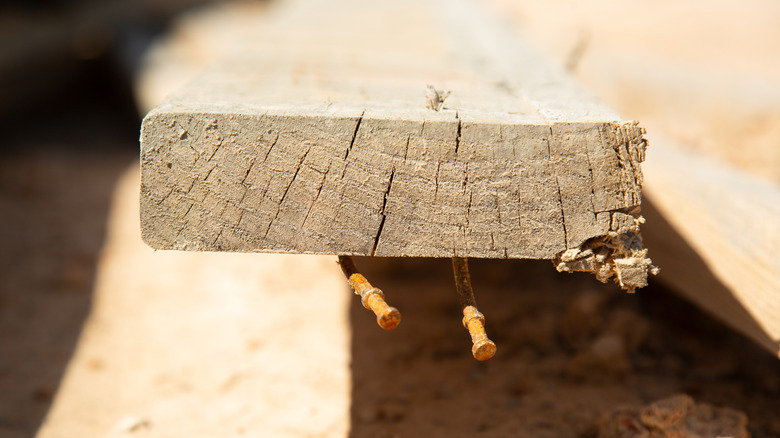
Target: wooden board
200,345
311,135
715,232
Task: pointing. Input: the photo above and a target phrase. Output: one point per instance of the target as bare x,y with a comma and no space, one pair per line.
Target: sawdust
619,255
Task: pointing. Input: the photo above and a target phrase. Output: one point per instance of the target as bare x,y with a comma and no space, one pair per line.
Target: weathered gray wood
313,136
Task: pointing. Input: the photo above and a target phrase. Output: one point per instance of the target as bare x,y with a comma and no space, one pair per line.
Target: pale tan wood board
715,230
205,344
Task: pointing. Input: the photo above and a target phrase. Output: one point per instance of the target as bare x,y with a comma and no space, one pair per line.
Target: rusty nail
372,298
473,320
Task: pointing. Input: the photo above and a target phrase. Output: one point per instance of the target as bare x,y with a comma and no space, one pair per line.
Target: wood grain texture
311,135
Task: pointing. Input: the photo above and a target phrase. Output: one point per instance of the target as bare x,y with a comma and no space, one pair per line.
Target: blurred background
100,336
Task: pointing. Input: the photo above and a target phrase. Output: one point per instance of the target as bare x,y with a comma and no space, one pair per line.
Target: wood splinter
434,99
473,320
372,298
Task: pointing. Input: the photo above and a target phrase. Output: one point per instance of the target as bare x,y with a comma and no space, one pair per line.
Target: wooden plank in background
715,232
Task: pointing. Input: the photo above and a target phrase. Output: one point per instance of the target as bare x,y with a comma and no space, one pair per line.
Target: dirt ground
102,337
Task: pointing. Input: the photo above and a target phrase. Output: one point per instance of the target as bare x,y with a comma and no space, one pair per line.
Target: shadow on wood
53,207
683,270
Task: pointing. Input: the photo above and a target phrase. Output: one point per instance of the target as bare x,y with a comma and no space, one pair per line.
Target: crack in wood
382,211
457,137
563,214
354,135
286,190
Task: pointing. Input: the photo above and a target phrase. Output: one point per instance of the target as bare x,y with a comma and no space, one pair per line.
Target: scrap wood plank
715,231
311,135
